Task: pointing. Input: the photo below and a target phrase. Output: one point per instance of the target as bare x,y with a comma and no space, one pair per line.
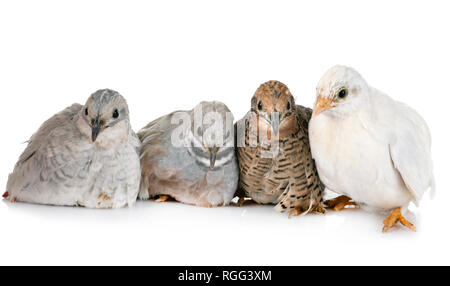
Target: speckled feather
290,180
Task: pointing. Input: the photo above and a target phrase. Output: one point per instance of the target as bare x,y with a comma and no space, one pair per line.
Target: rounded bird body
367,146
339,153
71,161
197,172
275,161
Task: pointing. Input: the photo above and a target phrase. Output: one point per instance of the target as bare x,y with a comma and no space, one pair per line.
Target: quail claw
394,217
339,203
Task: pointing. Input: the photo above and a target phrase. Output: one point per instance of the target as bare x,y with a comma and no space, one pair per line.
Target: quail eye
260,106
343,93
86,112
288,106
116,114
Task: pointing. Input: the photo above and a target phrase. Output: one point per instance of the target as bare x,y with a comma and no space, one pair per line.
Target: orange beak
322,104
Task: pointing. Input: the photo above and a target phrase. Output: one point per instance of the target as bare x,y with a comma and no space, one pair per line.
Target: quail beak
212,156
275,122
323,103
95,129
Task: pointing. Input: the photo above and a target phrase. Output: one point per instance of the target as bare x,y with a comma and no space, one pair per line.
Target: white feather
372,148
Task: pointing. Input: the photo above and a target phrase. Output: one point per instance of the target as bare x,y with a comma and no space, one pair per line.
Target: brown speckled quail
278,169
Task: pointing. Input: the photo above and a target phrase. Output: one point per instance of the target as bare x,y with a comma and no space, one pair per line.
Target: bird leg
240,193
296,212
319,209
339,203
299,211
243,202
6,194
394,217
162,198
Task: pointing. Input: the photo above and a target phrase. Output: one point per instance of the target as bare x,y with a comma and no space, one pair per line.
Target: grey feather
180,172
63,166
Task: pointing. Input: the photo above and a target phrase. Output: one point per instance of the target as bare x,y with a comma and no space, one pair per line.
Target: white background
169,55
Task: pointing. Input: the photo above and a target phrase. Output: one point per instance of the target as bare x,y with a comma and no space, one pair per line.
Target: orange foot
162,199
339,203
319,209
394,217
299,211
5,195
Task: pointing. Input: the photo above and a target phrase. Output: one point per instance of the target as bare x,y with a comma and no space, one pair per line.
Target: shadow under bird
193,162
371,149
285,175
82,156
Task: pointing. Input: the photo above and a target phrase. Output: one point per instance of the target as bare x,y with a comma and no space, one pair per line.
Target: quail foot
190,156
82,156
275,162
371,149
